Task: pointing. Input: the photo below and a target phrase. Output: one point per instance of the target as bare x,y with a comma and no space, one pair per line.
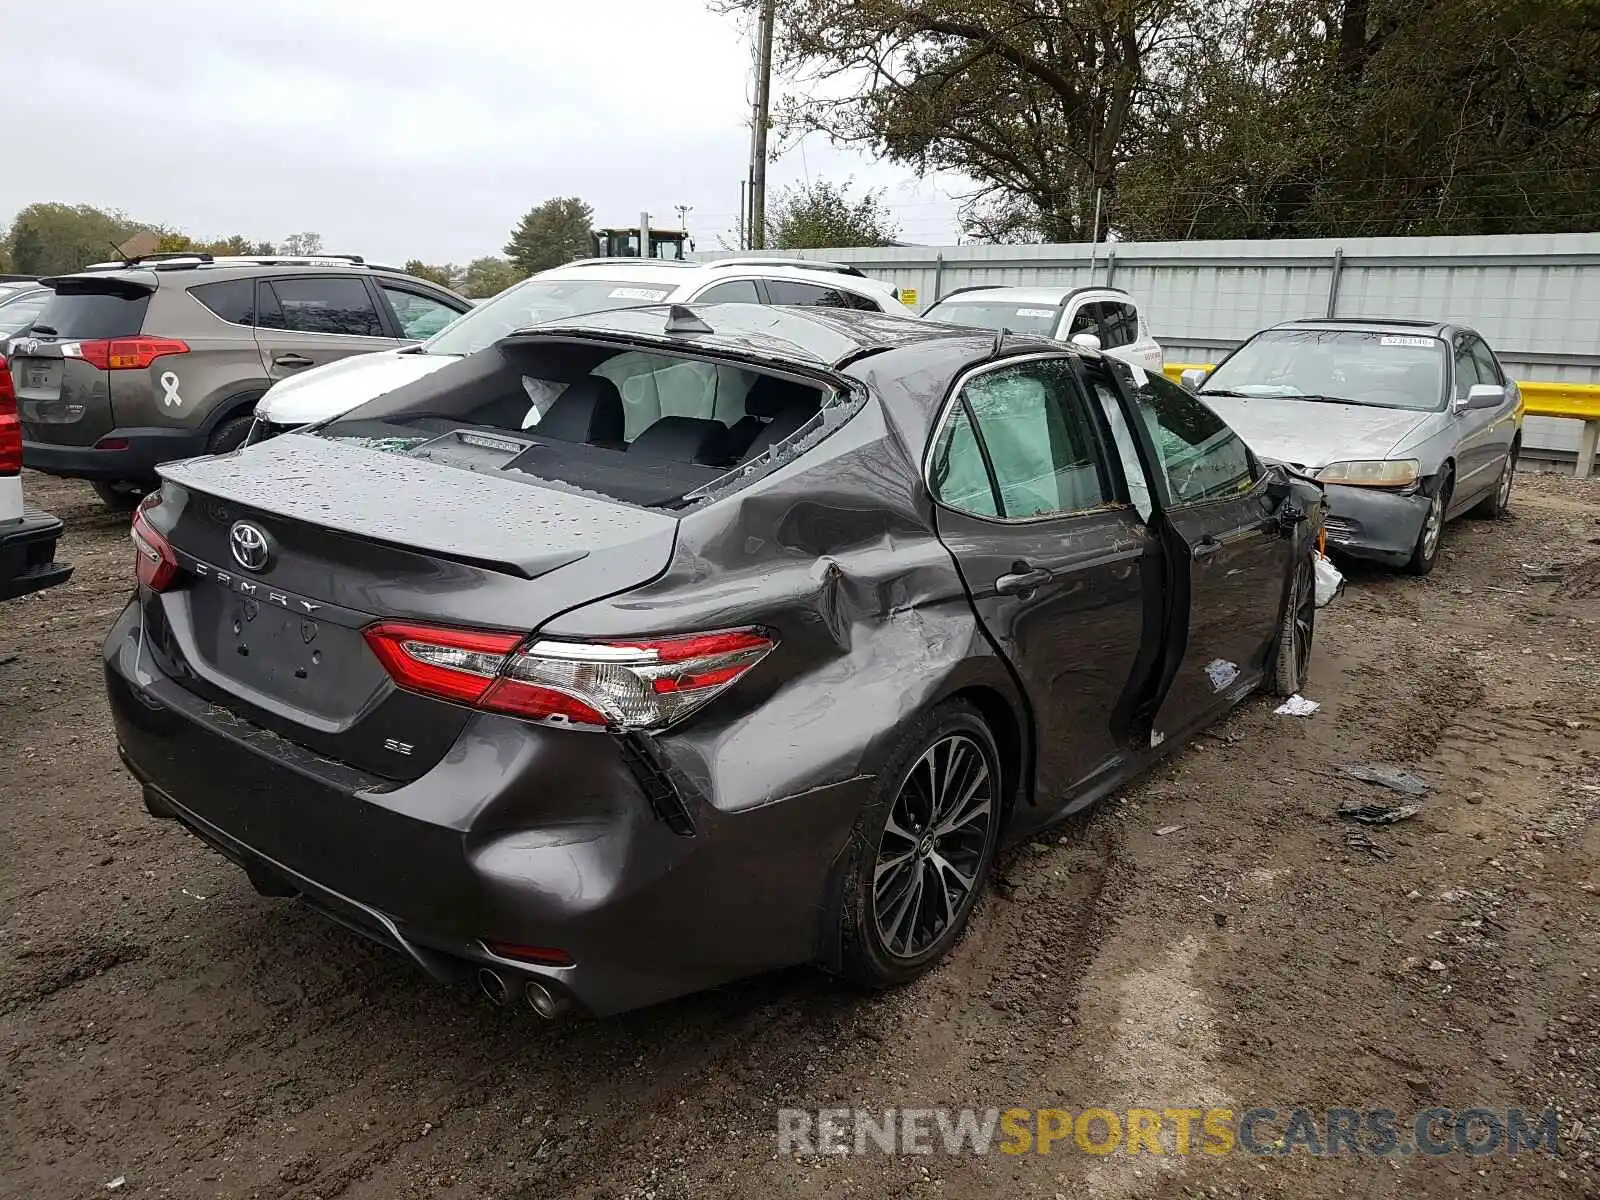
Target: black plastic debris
1377,814
1387,776
1354,840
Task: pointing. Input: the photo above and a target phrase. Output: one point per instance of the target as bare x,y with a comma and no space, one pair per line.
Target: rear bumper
1374,524
27,554
137,461
520,835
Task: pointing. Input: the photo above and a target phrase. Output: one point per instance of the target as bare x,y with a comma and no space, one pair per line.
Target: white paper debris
1166,829
1297,706
1330,581
116,1183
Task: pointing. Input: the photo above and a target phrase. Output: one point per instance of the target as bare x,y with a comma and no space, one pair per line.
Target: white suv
1100,318
590,285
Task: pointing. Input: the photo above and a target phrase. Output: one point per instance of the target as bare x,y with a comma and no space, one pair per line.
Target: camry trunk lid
288,550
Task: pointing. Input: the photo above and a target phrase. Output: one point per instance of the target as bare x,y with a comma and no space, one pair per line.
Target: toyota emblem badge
251,550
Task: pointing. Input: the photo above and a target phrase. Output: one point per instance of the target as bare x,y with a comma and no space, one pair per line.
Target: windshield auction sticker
1396,340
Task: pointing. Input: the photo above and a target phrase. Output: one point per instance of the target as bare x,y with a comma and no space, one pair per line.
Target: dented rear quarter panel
837,554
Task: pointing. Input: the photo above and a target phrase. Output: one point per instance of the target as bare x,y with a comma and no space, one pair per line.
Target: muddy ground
162,1026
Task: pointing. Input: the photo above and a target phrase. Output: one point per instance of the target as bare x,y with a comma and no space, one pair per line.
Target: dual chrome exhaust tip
505,990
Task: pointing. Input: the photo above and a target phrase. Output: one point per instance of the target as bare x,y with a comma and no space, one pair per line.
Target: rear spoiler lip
108,284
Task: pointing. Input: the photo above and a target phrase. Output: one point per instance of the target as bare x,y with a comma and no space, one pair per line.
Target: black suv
163,357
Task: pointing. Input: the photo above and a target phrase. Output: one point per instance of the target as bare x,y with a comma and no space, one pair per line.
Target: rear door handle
1205,548
292,361
1021,582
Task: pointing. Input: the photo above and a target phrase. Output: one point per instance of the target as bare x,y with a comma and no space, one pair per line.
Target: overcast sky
398,129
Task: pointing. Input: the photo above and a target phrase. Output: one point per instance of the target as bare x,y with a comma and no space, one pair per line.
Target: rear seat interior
649,406
594,412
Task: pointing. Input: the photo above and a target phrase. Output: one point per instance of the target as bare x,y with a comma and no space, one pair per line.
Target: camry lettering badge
251,550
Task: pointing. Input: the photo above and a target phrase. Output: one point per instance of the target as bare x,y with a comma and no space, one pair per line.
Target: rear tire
229,435
1296,630
1426,552
119,496
922,849
1497,503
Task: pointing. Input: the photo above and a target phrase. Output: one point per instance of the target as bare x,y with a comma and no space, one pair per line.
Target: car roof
1050,294
1400,325
186,269
681,272
784,335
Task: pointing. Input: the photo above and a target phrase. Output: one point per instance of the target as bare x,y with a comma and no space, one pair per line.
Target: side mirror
1484,395
1193,378
1086,341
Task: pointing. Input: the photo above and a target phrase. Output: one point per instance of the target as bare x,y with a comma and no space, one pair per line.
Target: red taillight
10,426
620,685
452,664
541,704
125,354
153,560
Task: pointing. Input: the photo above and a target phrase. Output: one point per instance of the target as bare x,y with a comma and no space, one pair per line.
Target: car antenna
681,319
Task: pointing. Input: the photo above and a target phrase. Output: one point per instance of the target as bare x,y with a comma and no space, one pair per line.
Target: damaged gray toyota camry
634,655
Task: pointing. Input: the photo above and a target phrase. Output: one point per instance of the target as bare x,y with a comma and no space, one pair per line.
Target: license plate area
317,667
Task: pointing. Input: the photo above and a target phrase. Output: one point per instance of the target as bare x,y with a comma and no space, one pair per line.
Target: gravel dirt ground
1210,937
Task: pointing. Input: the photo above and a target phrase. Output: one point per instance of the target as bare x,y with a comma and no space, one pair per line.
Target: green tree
55,238
447,275
297,244
823,214
1185,119
27,251
489,276
552,233
1040,103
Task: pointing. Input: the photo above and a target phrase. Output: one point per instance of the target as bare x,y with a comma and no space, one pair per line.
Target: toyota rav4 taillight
124,354
646,684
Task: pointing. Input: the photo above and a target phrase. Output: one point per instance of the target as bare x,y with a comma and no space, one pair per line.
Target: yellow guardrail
1575,401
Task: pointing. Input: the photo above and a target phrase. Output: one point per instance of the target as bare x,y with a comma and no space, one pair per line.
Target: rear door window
735,291
1039,440
320,305
856,300
813,295
233,300
93,313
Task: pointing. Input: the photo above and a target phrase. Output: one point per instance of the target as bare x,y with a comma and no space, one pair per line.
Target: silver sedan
1407,424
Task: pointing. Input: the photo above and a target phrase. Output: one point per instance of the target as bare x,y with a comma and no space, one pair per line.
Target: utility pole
758,126
683,216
